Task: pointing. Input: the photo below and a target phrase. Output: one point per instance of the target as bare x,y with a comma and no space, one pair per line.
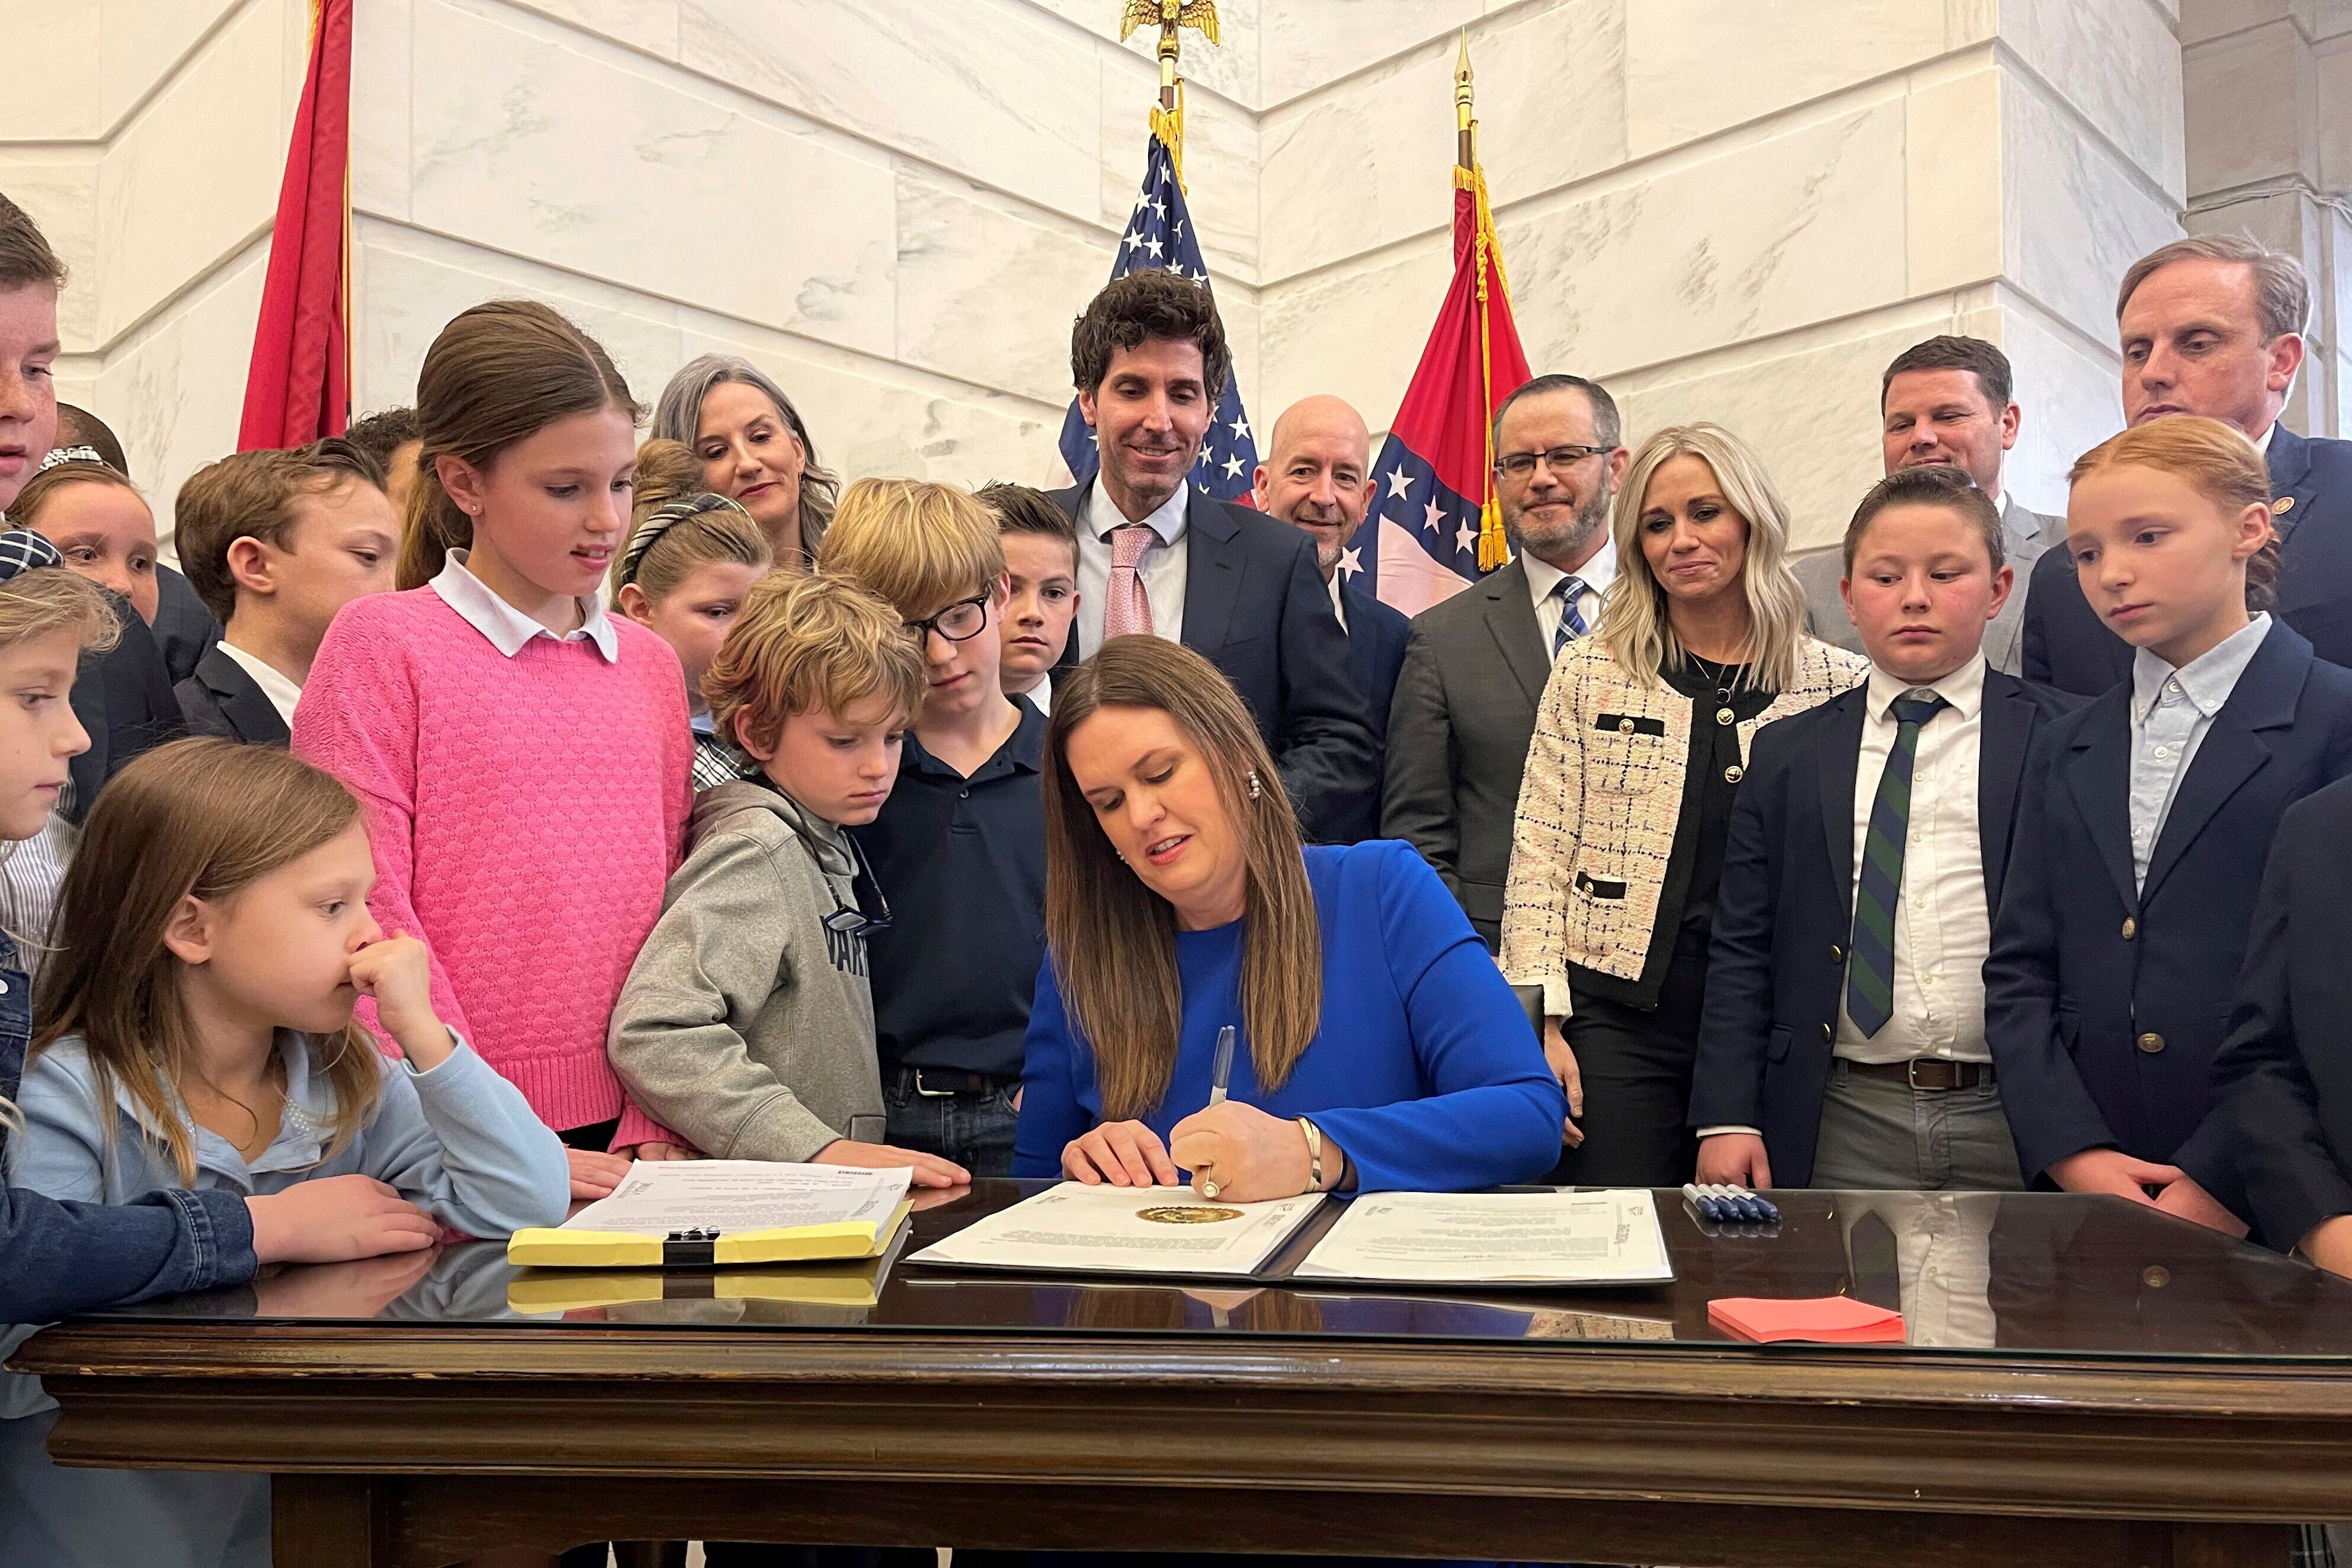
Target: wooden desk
2109,1389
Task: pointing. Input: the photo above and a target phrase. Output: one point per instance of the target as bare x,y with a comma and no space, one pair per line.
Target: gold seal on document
1188,1213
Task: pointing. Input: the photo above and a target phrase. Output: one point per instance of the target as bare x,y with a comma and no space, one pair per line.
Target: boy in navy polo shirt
959,848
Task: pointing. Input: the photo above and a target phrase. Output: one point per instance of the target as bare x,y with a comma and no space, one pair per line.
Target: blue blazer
1257,608
2068,647
1423,1068
1377,634
2104,1006
1784,911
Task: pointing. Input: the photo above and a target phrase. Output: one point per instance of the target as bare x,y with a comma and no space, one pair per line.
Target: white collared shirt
2171,711
508,629
283,693
1596,575
2263,444
1942,926
1163,569
1337,607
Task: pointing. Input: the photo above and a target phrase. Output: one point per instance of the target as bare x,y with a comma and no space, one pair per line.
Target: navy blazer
2105,1006
1256,606
1784,911
2285,1072
1377,634
220,699
123,699
2067,645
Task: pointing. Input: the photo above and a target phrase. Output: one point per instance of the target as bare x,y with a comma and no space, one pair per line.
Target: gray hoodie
746,1025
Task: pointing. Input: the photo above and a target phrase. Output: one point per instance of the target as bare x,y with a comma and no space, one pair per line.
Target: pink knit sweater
526,813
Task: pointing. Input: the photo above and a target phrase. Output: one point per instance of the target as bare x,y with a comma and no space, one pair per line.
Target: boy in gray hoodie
747,1023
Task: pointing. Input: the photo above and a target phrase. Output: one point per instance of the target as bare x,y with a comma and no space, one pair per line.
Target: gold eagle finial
1167,15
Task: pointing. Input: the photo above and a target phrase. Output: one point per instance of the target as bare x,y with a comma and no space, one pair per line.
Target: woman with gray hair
754,449
1625,814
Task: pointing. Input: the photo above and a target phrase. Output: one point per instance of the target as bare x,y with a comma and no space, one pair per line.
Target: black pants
1636,1066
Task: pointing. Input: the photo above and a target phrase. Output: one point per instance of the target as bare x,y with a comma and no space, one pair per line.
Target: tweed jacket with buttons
1597,809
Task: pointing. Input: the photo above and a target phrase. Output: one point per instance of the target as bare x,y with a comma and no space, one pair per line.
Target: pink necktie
1129,614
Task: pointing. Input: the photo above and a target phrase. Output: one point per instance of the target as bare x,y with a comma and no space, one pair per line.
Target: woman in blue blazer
1378,1046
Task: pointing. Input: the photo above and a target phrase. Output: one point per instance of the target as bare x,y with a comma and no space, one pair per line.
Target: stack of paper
1826,1320
1495,1239
691,1213
1076,1229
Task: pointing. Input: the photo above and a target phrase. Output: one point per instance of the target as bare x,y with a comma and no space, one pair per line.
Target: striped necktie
1571,625
1869,960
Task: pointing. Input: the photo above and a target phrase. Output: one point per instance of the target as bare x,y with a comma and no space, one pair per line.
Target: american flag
1159,234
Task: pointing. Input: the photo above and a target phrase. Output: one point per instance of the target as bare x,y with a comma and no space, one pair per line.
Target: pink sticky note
1832,1320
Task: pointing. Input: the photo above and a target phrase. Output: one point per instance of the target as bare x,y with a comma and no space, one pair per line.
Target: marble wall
1736,212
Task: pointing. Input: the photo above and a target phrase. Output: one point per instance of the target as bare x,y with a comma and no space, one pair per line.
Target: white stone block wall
1729,212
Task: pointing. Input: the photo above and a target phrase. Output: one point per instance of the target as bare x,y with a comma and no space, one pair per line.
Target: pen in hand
1221,1074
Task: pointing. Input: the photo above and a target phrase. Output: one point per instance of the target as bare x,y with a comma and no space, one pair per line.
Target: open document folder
1078,1229
1495,1239
686,1214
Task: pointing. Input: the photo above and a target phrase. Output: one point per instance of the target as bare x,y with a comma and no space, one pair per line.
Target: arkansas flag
1433,526
299,385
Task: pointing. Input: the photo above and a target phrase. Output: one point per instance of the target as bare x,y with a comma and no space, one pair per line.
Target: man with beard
1157,556
1475,665
1316,476
1946,401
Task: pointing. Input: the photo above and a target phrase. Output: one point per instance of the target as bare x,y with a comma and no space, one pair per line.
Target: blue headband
21,549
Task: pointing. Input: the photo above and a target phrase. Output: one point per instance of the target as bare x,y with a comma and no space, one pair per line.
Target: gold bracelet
1314,1153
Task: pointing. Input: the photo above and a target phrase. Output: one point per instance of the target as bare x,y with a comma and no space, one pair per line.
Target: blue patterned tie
1870,960
1571,625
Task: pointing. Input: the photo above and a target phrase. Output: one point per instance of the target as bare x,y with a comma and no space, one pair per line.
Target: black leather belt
1927,1073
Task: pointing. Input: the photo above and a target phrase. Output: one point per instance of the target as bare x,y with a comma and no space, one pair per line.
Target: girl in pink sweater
523,757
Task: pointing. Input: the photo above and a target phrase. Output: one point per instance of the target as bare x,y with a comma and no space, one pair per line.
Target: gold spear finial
1170,14
1465,127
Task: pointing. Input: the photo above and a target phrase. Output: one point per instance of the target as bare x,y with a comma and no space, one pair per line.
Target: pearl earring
1255,789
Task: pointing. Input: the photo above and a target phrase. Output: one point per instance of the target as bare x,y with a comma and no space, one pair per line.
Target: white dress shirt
282,692
1942,926
1943,1260
509,629
1596,575
2171,711
1163,569
1337,607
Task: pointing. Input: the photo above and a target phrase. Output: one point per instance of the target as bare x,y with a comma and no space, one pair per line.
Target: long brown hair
1113,941
194,819
499,373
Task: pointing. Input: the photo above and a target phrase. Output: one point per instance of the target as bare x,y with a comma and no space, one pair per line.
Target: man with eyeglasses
1475,665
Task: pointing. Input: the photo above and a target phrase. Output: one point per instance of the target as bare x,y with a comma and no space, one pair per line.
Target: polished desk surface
2011,1275
2089,1384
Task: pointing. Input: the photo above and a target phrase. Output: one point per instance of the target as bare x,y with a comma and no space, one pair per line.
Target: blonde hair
2214,459
1636,630
918,545
670,539
810,645
198,819
1112,940
42,487
498,374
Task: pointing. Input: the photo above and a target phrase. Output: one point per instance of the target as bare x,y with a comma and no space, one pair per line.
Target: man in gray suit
1475,665
1945,401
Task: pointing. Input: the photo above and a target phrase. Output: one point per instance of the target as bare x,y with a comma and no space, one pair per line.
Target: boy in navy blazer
2144,824
1843,1042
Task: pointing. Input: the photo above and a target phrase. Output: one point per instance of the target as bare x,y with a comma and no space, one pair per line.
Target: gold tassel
1168,124
1494,548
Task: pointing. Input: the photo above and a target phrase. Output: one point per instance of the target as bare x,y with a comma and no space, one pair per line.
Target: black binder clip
695,1248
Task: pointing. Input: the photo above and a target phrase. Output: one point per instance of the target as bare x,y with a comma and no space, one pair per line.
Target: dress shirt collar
1963,689
2262,441
1596,574
1337,607
1168,520
283,693
2207,680
508,629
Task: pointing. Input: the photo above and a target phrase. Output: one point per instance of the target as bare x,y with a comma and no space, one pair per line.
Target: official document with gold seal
1074,1229
1495,1239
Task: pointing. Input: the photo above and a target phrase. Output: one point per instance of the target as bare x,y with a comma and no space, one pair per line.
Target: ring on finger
1208,1181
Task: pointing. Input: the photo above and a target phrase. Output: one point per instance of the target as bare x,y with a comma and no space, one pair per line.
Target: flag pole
1167,119
1494,548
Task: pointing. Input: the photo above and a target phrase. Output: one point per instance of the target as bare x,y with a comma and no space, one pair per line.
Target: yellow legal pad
837,1284
546,1248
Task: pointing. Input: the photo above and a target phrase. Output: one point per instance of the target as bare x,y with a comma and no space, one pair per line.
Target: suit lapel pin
2282,506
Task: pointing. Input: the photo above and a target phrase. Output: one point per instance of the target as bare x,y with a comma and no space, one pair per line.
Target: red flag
1434,525
300,386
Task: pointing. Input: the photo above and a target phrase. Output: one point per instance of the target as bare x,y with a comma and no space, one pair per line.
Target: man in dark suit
2285,1072
1844,1044
123,699
2213,325
1946,401
1475,665
1317,477
1158,555
184,629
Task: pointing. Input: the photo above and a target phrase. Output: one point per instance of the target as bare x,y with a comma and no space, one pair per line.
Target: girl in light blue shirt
194,1029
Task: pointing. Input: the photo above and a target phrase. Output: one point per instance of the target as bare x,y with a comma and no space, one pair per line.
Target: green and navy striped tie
1869,960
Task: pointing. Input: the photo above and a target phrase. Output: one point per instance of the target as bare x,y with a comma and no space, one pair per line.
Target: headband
23,551
663,518
60,455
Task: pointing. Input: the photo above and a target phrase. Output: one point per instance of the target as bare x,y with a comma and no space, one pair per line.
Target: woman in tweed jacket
1627,804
